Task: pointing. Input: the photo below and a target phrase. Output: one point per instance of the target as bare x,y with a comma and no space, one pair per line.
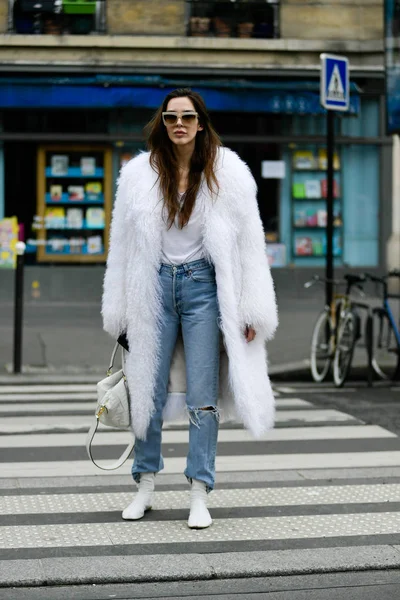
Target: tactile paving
166,532
106,502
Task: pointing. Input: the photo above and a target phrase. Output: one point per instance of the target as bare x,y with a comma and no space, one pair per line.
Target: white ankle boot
143,499
199,517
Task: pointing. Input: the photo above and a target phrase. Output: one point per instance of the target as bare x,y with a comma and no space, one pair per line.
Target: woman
186,263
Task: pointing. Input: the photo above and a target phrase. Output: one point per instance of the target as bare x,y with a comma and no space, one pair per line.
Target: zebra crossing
321,479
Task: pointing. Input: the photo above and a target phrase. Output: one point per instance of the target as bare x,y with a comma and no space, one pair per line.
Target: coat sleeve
257,305
114,292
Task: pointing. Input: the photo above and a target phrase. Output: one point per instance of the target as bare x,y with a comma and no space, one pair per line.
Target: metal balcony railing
57,17
233,18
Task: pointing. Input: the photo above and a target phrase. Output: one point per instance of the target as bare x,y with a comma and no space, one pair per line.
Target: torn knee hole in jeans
195,414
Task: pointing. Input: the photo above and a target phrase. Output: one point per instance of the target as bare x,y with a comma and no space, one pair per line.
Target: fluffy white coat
234,241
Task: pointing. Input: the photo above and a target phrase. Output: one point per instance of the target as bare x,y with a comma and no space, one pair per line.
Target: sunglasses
171,117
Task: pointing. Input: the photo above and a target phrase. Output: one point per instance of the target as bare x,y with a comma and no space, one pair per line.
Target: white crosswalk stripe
279,488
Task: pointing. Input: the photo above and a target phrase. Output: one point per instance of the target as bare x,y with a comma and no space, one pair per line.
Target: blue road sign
335,82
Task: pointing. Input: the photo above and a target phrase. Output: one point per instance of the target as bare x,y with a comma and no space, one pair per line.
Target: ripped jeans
189,293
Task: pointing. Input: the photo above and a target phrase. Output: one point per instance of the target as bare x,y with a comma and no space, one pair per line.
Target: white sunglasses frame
179,115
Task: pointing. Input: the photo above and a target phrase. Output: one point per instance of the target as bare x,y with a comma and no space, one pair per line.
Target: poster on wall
8,241
392,65
276,255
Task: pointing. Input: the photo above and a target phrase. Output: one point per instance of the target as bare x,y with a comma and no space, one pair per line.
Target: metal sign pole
18,307
330,143
334,95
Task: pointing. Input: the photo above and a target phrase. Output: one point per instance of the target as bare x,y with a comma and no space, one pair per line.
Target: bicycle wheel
321,348
385,350
346,341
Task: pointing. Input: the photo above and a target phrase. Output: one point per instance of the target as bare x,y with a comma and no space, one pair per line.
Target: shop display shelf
83,228
316,255
64,200
322,199
75,173
319,227
313,170
67,251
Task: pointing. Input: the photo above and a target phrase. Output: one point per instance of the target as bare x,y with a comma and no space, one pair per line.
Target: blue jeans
189,293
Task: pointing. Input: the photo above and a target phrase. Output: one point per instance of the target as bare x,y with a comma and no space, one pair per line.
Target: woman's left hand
249,333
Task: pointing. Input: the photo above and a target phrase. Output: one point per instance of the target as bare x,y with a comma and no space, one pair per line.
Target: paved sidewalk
69,337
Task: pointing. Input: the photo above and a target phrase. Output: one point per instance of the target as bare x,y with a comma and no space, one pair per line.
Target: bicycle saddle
353,279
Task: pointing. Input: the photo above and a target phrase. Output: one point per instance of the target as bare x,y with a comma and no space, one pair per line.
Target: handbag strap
115,465
114,352
92,431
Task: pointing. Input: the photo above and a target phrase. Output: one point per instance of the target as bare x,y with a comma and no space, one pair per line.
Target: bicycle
336,332
383,334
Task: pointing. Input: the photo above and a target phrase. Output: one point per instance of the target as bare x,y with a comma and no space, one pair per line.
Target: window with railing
233,18
56,17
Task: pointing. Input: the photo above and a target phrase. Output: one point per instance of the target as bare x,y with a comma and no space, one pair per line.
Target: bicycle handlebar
318,279
376,279
392,273
347,280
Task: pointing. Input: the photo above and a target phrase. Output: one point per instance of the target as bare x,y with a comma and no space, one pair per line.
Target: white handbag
112,409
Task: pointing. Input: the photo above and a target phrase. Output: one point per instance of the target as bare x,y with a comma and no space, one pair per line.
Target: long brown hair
164,161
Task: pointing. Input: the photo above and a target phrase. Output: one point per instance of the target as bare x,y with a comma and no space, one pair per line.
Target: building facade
80,78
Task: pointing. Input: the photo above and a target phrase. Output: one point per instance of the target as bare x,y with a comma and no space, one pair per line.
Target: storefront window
302,227
243,19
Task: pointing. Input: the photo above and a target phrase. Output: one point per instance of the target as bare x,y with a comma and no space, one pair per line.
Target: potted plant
221,27
245,30
199,26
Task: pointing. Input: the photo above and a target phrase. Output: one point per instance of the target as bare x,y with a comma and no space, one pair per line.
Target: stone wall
3,16
332,20
152,17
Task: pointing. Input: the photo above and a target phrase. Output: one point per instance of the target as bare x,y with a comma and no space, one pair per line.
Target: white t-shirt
183,245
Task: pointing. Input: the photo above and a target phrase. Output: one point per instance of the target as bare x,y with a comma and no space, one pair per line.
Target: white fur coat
234,241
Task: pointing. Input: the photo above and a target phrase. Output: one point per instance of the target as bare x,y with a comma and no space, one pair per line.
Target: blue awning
115,91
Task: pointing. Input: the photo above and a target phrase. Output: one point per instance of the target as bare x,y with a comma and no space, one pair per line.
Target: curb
189,567
71,374
300,366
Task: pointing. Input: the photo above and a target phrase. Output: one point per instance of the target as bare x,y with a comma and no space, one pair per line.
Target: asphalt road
274,512
379,405
371,585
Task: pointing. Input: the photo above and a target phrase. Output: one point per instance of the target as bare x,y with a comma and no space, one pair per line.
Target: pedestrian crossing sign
334,82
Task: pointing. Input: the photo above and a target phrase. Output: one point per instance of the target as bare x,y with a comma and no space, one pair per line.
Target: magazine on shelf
324,188
54,218
322,218
303,159
94,244
56,192
312,188
93,190
300,217
76,245
57,244
75,218
318,246
88,165
323,160
59,164
76,193
303,246
95,217
298,190
337,245
337,218
311,217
